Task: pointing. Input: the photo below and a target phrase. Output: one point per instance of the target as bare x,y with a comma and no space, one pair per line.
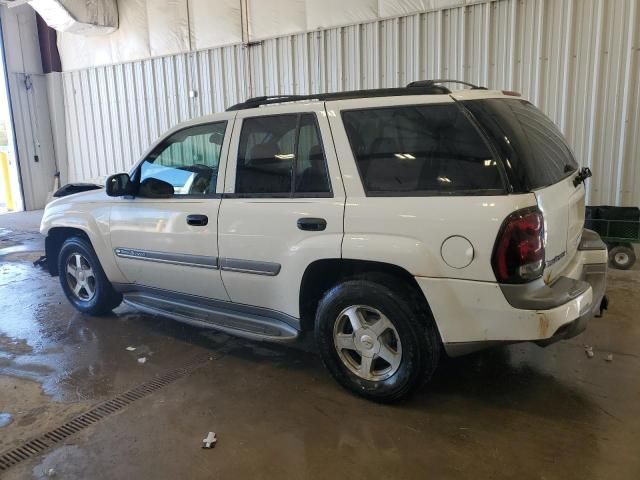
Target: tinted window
311,166
426,149
188,160
281,155
535,152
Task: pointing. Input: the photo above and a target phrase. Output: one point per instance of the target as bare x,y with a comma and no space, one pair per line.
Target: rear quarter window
534,151
420,150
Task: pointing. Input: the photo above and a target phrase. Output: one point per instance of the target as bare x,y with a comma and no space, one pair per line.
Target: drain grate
38,445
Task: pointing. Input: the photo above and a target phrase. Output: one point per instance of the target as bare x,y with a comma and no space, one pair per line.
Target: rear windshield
535,152
420,150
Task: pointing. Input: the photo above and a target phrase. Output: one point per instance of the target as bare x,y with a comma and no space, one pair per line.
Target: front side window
281,155
420,150
188,160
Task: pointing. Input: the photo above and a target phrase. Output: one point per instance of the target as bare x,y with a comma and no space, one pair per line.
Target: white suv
394,223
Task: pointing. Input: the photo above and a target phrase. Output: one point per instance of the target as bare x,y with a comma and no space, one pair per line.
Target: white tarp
392,8
276,17
86,17
215,23
131,40
151,28
330,13
168,27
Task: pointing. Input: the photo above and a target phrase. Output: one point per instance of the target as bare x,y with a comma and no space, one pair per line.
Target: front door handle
312,224
197,220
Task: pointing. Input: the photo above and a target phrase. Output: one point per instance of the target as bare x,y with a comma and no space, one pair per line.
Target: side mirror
154,188
119,185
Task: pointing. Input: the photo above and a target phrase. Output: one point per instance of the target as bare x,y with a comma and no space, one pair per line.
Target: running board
239,323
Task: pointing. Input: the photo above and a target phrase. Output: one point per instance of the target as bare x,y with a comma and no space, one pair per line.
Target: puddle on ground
17,246
5,419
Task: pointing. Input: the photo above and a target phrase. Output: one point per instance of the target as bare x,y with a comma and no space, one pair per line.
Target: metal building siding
578,60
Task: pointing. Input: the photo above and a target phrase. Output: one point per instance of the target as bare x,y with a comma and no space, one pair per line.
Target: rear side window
535,152
420,150
281,155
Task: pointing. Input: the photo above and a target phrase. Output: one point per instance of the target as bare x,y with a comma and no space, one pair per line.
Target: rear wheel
372,341
622,257
82,279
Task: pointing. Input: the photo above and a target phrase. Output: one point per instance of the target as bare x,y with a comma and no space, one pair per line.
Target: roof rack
420,87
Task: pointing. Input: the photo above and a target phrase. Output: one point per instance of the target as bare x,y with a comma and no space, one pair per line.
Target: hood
91,196
73,188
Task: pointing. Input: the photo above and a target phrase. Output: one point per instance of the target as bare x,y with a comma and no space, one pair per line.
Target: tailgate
563,208
538,160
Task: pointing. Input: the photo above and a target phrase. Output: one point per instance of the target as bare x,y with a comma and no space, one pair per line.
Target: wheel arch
53,243
58,234
322,275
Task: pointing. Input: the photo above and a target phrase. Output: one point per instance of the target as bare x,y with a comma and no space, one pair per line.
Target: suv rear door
538,160
283,204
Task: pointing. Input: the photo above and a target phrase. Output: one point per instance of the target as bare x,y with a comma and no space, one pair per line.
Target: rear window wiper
583,174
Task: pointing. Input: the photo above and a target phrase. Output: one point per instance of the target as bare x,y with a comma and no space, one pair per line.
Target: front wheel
373,342
622,257
83,281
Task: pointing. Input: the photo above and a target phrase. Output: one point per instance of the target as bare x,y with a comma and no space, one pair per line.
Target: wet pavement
512,412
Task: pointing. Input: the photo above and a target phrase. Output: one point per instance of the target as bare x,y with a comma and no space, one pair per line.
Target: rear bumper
596,276
474,315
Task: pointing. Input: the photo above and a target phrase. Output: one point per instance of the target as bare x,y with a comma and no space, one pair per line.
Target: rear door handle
197,220
312,224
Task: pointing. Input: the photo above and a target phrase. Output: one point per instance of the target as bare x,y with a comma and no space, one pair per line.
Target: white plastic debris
131,349
209,441
51,473
609,357
142,360
589,351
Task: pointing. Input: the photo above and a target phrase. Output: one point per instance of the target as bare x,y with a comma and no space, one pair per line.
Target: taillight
518,255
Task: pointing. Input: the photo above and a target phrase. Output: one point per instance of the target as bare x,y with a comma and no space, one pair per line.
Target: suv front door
171,244
283,204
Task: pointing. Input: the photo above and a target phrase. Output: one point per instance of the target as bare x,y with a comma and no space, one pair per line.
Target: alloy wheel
80,277
367,343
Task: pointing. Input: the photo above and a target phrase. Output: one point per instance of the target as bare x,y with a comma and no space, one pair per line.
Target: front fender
90,218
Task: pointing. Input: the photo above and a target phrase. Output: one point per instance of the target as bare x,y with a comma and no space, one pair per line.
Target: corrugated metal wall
578,60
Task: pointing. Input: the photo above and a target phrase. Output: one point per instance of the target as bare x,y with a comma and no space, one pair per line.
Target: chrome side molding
250,266
255,267
166,257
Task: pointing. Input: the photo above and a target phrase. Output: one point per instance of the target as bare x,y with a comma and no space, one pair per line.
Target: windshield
535,153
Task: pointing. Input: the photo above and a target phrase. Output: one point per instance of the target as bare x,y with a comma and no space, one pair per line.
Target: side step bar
234,322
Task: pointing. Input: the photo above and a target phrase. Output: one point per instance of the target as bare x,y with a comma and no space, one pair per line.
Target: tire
409,339
622,257
88,289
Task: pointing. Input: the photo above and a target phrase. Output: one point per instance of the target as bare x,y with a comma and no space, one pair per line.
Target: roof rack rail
431,83
421,87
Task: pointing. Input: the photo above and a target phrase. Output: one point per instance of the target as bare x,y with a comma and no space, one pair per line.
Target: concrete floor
514,412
